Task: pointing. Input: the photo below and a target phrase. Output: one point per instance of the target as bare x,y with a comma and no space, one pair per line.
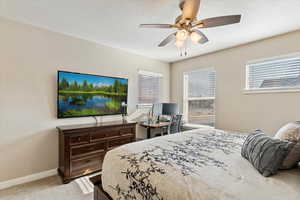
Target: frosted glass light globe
182,35
195,37
179,43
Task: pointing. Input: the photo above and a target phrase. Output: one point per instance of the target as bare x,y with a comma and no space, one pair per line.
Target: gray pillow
265,153
290,132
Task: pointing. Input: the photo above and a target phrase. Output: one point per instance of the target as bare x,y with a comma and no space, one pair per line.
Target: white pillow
291,133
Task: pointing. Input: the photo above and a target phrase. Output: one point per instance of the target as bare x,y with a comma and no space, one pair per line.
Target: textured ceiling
115,22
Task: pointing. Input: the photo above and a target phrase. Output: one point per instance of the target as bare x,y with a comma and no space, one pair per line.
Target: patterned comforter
202,164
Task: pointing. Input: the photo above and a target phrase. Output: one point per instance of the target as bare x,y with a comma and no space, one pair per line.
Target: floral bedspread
202,164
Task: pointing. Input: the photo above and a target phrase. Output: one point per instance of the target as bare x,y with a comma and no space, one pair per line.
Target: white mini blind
199,97
149,87
201,83
277,73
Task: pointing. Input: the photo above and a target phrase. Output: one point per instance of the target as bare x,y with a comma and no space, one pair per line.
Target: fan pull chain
185,48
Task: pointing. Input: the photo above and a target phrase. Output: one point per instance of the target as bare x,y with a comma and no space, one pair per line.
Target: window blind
276,73
201,83
199,97
149,87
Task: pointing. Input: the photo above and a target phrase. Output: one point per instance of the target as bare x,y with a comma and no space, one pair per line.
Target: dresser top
94,125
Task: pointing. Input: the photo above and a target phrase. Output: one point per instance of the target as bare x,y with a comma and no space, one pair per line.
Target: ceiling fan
188,25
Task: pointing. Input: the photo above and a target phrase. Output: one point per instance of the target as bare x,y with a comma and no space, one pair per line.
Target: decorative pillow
290,132
265,153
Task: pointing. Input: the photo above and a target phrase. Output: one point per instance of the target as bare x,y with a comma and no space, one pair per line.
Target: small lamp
124,110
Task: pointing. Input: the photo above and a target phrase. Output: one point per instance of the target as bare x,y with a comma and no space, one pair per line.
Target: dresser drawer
88,149
86,165
113,132
79,139
127,131
98,135
119,141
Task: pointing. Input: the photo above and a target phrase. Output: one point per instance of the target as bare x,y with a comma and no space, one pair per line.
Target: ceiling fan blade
169,39
218,21
156,26
203,39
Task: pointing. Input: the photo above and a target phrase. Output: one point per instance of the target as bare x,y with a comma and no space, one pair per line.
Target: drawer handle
79,139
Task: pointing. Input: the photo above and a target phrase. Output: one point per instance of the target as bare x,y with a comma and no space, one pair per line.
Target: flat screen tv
85,95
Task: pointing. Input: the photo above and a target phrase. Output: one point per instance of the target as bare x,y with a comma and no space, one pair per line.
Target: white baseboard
26,179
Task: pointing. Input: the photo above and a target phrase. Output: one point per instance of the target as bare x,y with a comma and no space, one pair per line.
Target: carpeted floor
46,189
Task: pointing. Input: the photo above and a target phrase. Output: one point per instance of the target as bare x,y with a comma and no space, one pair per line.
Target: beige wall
234,109
29,60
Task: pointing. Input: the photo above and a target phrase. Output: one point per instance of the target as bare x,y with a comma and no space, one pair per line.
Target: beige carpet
46,189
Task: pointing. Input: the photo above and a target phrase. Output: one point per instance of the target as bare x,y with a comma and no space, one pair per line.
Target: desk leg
148,133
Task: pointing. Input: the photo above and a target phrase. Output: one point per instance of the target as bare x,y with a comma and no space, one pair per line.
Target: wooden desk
150,126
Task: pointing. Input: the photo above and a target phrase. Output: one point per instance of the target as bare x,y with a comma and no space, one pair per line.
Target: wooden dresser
83,147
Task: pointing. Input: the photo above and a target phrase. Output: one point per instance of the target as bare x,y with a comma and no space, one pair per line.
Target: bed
202,164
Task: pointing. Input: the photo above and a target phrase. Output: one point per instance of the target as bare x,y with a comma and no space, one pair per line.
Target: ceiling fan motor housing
190,10
181,4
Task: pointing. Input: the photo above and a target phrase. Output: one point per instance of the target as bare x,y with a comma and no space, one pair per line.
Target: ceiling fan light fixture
182,35
189,27
195,37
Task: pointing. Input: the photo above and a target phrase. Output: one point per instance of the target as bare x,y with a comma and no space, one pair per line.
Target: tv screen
83,95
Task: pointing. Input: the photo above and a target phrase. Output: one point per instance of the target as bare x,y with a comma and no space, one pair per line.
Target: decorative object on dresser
82,147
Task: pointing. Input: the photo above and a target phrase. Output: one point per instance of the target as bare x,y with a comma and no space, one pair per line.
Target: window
273,74
199,97
149,88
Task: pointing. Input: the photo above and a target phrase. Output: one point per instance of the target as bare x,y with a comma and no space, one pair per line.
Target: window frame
186,99
153,74
248,90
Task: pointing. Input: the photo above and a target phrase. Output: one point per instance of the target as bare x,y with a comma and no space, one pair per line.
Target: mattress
202,164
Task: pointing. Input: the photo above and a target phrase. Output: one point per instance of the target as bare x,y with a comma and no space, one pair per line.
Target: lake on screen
89,101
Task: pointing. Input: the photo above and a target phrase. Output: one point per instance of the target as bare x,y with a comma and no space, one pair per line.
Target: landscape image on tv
81,95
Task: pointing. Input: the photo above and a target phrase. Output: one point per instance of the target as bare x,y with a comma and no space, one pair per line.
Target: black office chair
175,125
